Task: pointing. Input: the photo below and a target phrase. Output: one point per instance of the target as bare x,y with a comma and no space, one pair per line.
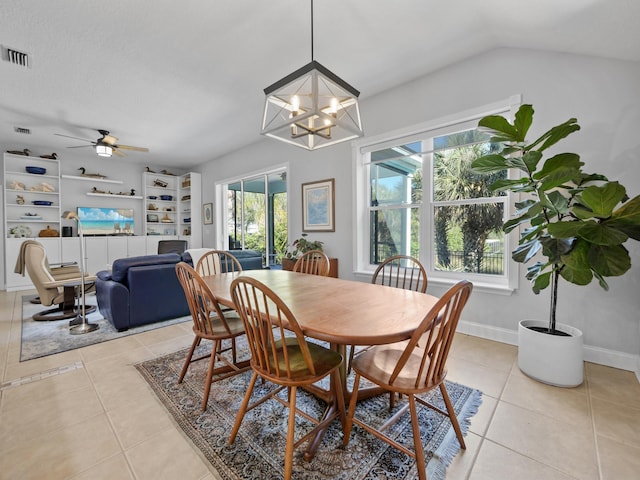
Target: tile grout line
41,376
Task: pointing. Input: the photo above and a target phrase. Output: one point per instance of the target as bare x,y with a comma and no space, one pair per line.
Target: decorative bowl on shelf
44,203
36,170
166,197
30,216
152,197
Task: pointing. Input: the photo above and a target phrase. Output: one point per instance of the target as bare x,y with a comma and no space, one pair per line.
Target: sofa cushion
121,266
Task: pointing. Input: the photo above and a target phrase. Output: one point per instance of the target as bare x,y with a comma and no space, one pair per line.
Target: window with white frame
417,195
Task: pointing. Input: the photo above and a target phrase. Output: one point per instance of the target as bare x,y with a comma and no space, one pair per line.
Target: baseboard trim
601,356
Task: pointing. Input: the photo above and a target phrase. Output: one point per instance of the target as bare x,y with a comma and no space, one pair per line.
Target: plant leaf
627,218
506,184
499,124
565,229
541,282
525,251
523,120
555,134
557,202
490,164
601,234
609,261
576,268
602,200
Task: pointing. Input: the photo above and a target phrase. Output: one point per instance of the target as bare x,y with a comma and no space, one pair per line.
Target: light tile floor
98,419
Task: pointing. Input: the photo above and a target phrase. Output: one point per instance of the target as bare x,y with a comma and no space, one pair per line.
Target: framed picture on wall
207,213
318,209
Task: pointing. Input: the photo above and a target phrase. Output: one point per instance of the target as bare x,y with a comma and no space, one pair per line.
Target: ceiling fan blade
130,147
77,138
118,152
110,140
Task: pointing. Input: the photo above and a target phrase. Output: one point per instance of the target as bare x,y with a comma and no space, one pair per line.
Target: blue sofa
141,290
145,289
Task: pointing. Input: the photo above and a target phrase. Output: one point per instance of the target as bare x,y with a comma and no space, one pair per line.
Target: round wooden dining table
341,312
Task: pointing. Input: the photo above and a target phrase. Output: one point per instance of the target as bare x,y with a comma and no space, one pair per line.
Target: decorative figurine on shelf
166,172
83,173
149,170
51,156
19,199
25,152
159,183
15,185
43,187
49,232
152,206
133,192
95,190
166,219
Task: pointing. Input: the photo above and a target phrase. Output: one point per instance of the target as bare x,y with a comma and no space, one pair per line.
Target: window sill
478,286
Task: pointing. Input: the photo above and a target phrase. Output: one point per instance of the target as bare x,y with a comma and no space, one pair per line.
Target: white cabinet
189,209
32,195
160,197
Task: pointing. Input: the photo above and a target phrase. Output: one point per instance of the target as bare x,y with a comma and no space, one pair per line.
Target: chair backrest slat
314,262
433,337
261,310
217,261
401,271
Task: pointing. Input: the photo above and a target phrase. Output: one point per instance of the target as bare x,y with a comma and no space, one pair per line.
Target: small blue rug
40,339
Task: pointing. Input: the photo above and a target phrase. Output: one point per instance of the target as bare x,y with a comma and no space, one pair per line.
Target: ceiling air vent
22,130
16,57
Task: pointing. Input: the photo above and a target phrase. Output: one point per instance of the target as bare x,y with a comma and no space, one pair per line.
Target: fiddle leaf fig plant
301,246
573,224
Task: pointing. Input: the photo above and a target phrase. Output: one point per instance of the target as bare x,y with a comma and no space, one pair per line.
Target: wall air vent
22,130
16,57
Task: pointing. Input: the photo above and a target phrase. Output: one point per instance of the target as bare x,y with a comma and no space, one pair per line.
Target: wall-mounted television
106,221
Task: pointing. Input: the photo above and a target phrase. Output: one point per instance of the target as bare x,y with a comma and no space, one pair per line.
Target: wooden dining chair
210,323
399,271
217,261
281,355
314,262
413,367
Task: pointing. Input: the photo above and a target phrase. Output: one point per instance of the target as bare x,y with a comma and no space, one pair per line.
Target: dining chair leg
243,408
417,442
352,349
452,415
352,409
288,454
212,363
196,342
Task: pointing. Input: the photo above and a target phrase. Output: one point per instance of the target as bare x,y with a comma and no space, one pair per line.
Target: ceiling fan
106,145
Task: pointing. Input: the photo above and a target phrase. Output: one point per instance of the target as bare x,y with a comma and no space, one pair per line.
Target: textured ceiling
185,78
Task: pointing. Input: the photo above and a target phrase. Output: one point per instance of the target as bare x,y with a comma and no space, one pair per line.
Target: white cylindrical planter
552,359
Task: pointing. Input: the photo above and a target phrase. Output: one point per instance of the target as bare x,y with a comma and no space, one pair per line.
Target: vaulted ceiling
185,78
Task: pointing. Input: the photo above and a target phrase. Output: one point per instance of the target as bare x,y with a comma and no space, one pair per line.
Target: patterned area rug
258,452
40,339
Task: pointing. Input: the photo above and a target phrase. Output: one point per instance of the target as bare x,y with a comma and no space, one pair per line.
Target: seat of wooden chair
281,355
217,261
210,322
398,271
314,262
413,367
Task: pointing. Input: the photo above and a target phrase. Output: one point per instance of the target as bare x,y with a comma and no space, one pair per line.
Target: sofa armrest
113,302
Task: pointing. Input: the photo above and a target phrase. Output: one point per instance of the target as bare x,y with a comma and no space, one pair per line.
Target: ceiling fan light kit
104,150
312,107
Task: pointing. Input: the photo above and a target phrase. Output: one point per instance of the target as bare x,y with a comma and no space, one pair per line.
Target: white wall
604,95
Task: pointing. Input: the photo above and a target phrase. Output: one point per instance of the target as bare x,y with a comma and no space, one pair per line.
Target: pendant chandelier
311,107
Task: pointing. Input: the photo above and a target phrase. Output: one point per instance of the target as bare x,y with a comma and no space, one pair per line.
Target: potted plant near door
298,248
573,226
